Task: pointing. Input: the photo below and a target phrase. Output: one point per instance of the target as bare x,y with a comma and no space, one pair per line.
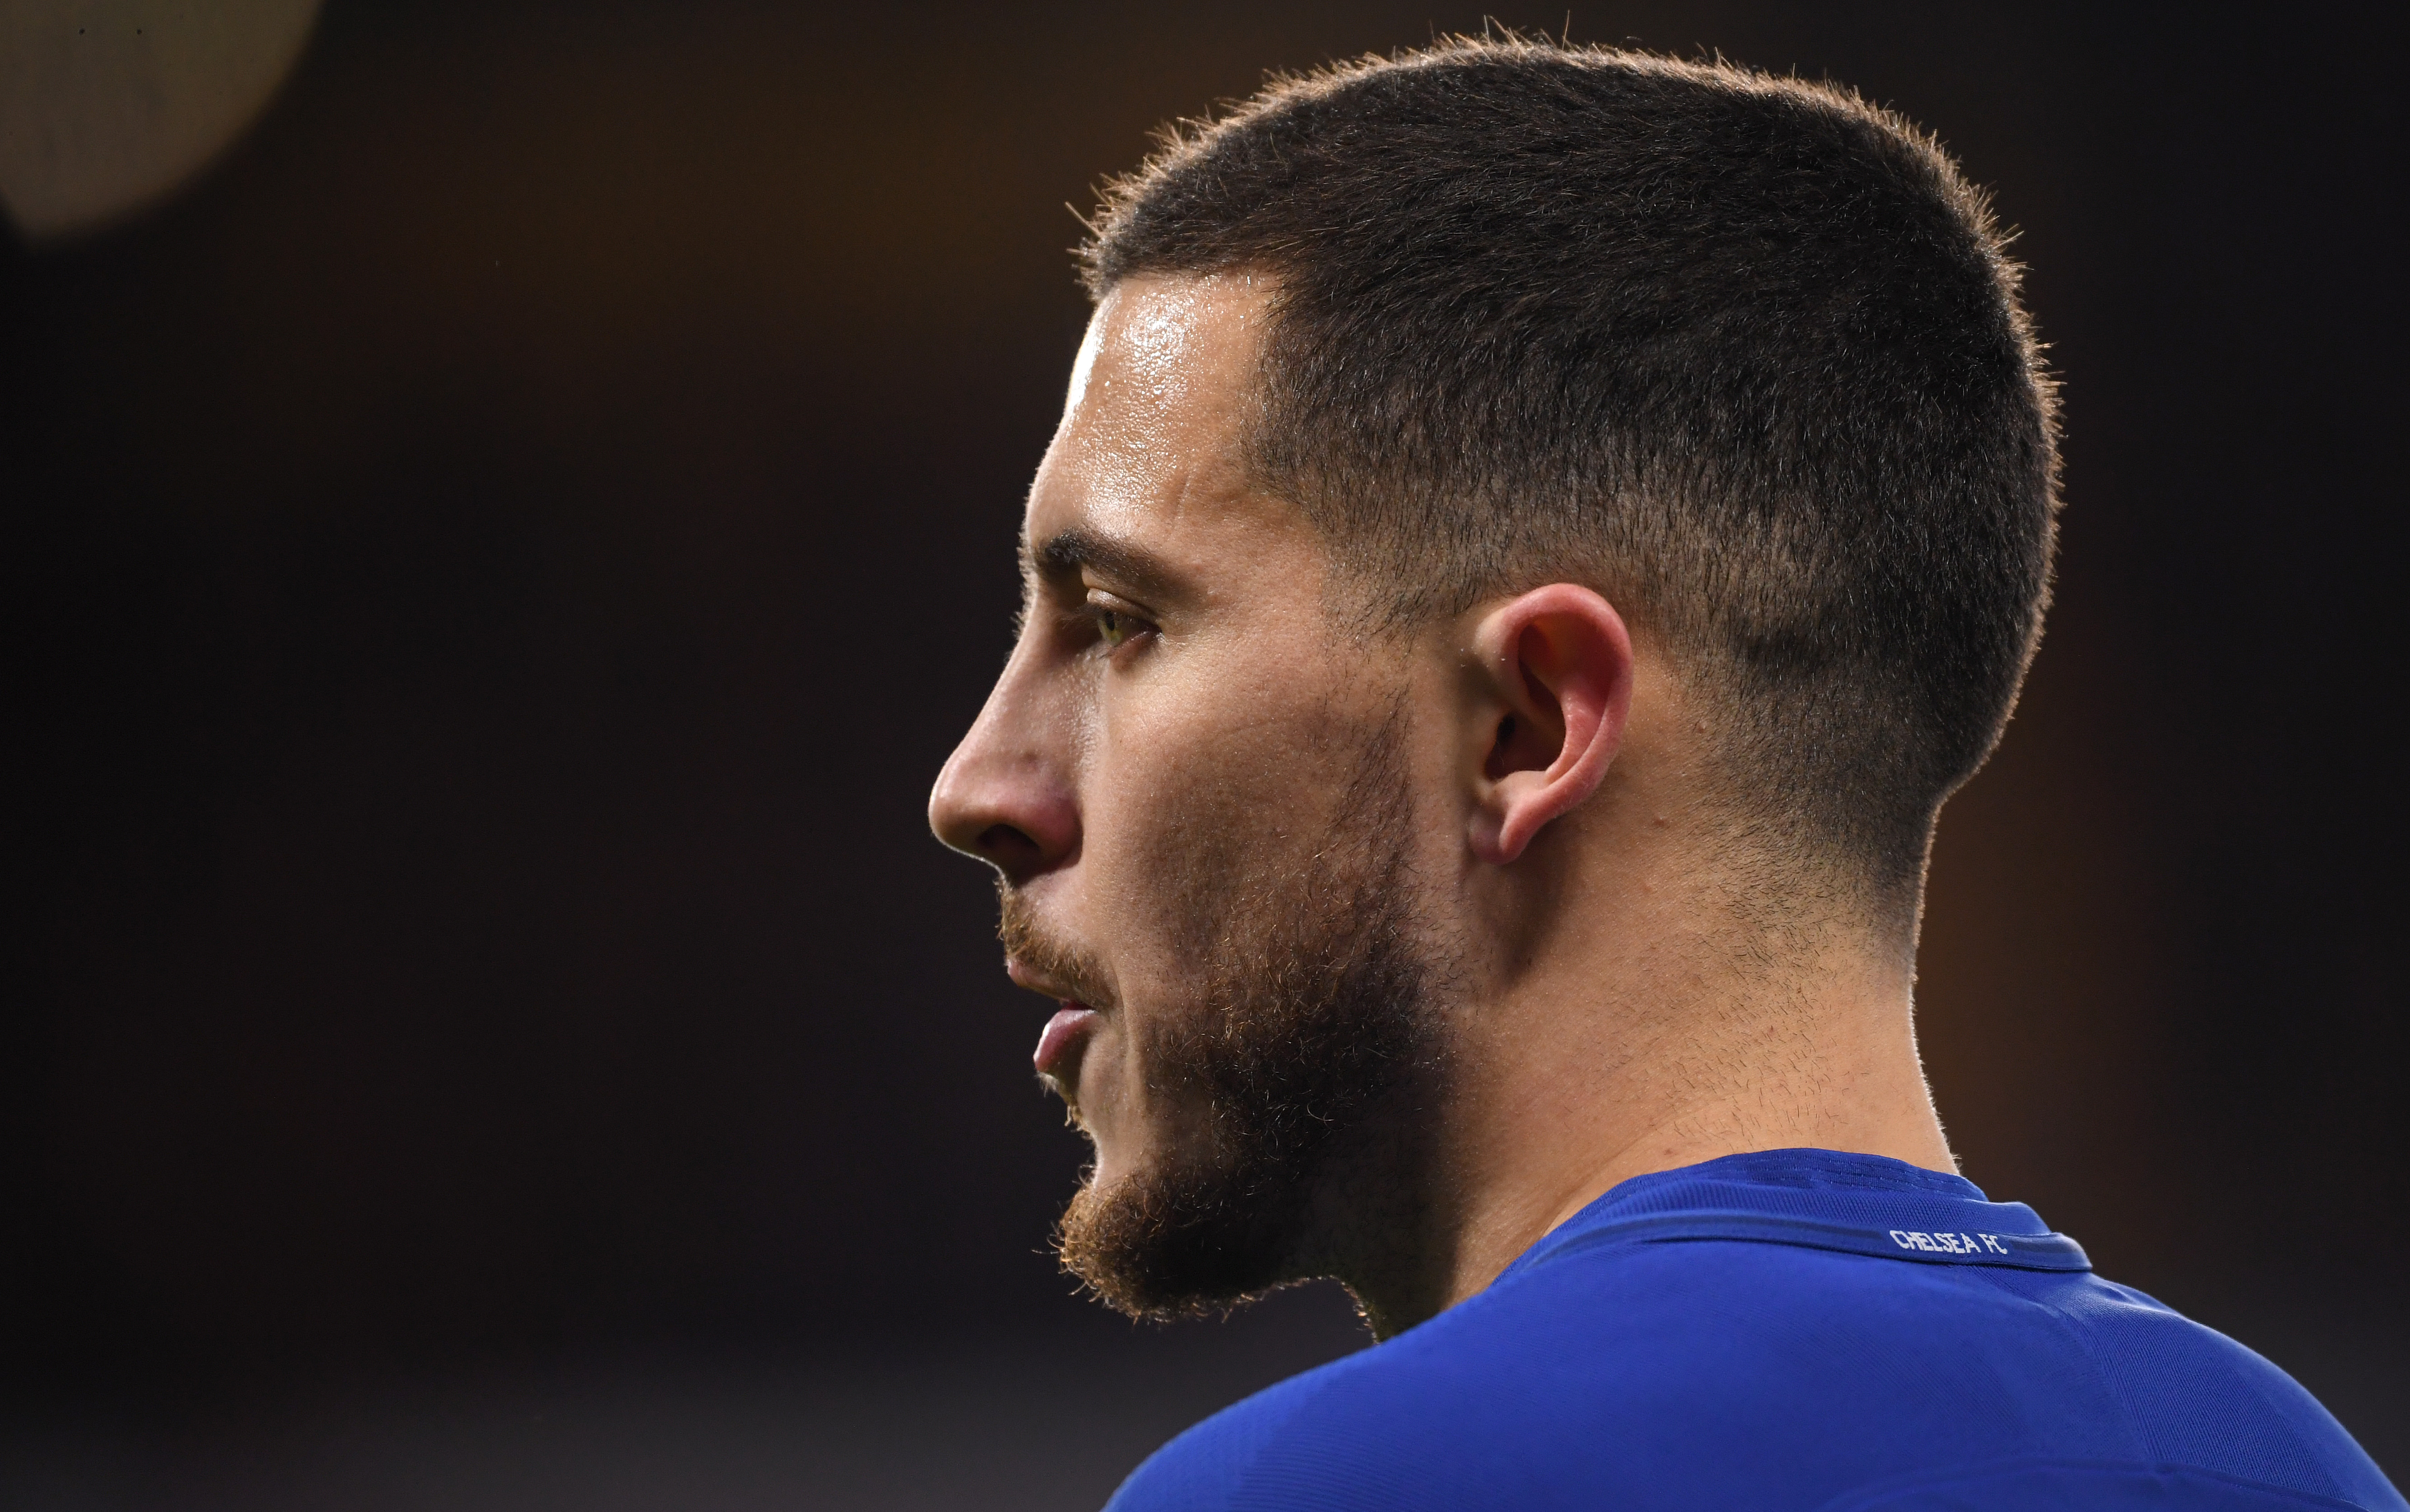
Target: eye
1116,626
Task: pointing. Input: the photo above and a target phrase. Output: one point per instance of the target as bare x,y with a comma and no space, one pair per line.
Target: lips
1064,1037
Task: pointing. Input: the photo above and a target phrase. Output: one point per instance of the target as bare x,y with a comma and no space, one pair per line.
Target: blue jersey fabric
1791,1329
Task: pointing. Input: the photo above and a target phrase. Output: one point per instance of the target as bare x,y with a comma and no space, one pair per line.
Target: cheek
1174,784
1159,766
1190,800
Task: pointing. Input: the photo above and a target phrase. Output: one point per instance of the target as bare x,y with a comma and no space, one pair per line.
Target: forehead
1150,450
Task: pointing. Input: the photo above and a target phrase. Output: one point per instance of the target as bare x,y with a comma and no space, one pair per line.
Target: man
1536,535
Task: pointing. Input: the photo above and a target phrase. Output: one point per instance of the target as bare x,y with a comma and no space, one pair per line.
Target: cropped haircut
1743,353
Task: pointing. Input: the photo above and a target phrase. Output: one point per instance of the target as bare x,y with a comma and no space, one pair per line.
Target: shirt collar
1829,1200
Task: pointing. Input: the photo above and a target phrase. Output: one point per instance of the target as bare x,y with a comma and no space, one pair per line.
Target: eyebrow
1064,555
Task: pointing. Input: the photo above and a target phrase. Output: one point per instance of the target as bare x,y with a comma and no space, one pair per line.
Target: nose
1006,794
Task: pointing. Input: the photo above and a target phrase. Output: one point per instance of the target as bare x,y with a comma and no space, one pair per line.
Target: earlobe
1555,675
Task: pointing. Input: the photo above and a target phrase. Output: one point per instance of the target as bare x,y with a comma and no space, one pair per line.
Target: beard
1308,1048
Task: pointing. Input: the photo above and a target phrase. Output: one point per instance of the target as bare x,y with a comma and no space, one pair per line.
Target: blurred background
507,507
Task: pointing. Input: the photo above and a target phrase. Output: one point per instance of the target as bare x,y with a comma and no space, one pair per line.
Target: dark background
491,571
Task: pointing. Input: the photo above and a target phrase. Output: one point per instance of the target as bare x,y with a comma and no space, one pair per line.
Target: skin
1634,988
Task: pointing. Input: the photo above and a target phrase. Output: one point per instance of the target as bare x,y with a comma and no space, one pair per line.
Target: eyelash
1111,618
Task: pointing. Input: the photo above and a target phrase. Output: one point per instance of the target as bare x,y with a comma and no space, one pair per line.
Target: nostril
1004,842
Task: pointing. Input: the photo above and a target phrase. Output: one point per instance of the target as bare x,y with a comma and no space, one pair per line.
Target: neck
1562,1087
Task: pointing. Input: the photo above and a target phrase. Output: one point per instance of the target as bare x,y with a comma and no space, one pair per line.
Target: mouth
1065,1035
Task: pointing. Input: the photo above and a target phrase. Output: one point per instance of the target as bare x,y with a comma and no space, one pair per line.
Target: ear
1552,687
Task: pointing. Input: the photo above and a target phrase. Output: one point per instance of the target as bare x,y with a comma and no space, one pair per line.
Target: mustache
1026,940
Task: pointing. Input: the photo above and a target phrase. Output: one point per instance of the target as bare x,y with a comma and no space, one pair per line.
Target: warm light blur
109,105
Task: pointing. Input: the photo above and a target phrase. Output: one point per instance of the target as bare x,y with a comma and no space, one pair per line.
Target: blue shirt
1796,1329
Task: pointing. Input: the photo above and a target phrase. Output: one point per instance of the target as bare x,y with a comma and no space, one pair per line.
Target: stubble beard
1308,1052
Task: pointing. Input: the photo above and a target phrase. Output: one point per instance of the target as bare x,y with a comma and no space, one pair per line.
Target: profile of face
1199,780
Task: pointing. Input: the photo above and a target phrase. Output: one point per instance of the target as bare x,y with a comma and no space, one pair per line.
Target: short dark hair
1743,352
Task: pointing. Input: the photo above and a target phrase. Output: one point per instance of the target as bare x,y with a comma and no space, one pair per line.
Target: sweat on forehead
1147,477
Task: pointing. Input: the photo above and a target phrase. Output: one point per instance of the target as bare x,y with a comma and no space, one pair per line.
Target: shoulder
1716,1374
1671,1364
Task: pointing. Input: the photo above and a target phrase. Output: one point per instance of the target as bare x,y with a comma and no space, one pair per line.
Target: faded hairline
1420,530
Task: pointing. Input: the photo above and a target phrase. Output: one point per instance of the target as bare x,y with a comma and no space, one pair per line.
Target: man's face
1198,789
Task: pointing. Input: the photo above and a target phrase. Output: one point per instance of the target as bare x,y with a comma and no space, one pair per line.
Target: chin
1118,1156
1160,1244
